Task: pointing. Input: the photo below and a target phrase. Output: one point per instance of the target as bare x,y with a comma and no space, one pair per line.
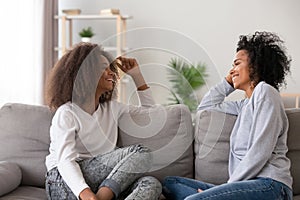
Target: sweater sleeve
266,127
146,101
146,97
64,130
214,99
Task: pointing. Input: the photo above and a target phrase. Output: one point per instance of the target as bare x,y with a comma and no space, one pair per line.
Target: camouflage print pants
121,170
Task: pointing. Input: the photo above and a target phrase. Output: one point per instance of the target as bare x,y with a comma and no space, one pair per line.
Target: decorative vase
86,39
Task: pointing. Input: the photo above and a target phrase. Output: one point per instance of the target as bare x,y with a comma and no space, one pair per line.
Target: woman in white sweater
84,162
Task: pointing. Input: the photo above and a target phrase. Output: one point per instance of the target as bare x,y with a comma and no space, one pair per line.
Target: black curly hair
267,58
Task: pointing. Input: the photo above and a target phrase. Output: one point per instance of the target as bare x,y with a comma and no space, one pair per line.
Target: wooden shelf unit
67,22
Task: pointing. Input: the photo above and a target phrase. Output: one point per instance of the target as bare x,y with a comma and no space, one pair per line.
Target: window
20,68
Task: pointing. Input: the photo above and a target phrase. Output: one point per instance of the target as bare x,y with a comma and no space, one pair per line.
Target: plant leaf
185,79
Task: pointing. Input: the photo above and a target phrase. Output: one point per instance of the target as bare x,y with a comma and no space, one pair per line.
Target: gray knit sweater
258,142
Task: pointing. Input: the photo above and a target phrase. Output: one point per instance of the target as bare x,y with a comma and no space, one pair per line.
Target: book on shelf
110,11
71,11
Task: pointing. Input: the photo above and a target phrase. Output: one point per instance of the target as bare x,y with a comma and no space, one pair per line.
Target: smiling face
107,80
240,73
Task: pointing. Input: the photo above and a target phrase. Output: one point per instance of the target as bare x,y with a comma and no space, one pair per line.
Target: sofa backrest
294,146
168,132
24,139
212,132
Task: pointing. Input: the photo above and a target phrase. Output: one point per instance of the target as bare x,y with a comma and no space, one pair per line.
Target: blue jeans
179,188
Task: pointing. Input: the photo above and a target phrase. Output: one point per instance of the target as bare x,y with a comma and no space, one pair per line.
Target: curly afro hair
267,58
75,76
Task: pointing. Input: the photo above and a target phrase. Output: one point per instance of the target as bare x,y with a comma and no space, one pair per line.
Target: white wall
211,25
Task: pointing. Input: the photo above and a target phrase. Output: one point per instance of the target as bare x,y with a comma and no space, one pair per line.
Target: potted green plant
86,34
186,79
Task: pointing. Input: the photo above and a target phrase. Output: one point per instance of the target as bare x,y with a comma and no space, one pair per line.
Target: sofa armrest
10,177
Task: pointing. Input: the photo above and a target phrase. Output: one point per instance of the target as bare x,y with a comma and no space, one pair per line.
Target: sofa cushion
10,177
24,140
168,132
26,193
294,146
212,133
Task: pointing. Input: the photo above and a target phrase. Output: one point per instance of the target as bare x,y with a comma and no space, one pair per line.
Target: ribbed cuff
113,185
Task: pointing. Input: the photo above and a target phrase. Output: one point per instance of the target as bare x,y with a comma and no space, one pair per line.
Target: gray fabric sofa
212,132
178,147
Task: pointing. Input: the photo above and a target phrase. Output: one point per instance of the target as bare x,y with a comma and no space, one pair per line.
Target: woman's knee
140,148
142,152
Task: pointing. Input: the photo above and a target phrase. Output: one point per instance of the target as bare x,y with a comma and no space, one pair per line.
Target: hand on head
229,77
128,65
131,67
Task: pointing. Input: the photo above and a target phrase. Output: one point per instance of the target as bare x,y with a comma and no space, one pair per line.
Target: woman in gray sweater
258,166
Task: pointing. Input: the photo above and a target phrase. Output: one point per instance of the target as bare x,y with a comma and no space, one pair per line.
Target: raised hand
229,76
130,66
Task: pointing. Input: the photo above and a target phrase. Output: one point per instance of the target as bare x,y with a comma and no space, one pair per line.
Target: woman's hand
229,77
131,67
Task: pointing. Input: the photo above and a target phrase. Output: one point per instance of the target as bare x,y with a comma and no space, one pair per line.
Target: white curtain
22,50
